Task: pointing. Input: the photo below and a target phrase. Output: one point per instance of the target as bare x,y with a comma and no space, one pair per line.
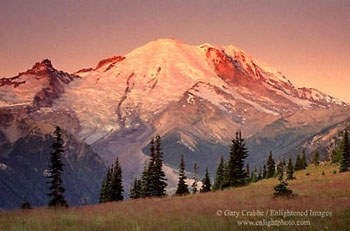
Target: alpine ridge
195,97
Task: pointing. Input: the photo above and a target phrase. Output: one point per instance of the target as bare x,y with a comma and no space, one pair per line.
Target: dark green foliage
195,180
220,175
254,176
316,161
103,191
108,191
159,175
280,169
153,177
116,185
136,190
236,175
290,169
298,163
55,172
270,166
247,169
281,189
112,185
337,154
264,172
25,204
206,186
303,160
345,160
260,175
182,188
145,192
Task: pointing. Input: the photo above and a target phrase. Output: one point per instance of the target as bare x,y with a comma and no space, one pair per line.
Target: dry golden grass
330,192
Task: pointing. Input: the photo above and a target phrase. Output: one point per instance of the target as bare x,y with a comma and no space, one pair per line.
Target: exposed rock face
37,87
25,148
195,97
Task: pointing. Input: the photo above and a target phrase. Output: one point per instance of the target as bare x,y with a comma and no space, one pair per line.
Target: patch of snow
3,166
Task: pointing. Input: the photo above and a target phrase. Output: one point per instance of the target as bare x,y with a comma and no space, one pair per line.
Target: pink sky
307,40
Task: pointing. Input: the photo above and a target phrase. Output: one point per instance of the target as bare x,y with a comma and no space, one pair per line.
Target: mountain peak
44,64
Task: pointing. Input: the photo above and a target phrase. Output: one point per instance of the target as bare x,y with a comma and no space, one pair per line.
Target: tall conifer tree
136,190
160,179
103,191
303,160
270,166
195,180
290,169
316,158
237,175
220,175
182,188
264,172
298,163
55,172
116,185
206,184
345,160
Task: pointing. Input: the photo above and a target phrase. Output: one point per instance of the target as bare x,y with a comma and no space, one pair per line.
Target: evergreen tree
247,169
270,166
284,165
264,172
195,180
220,175
182,188
206,184
116,185
337,153
25,204
102,198
136,190
226,181
260,175
153,177
159,175
282,189
108,189
254,176
55,172
280,169
345,160
316,158
145,192
298,163
303,160
290,169
237,176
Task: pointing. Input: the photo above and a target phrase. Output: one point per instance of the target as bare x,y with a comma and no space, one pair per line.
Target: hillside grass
329,192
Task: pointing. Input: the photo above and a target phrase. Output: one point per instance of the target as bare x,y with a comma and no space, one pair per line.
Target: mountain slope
25,148
195,97
325,198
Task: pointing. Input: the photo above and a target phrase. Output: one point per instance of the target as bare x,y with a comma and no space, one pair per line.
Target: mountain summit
195,97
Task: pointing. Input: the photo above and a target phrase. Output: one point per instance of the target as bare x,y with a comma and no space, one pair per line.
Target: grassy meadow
328,193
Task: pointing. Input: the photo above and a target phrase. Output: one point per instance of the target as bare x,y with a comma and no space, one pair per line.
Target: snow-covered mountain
194,96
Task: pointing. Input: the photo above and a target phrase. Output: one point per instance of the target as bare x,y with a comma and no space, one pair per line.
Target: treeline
231,173
341,153
153,183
